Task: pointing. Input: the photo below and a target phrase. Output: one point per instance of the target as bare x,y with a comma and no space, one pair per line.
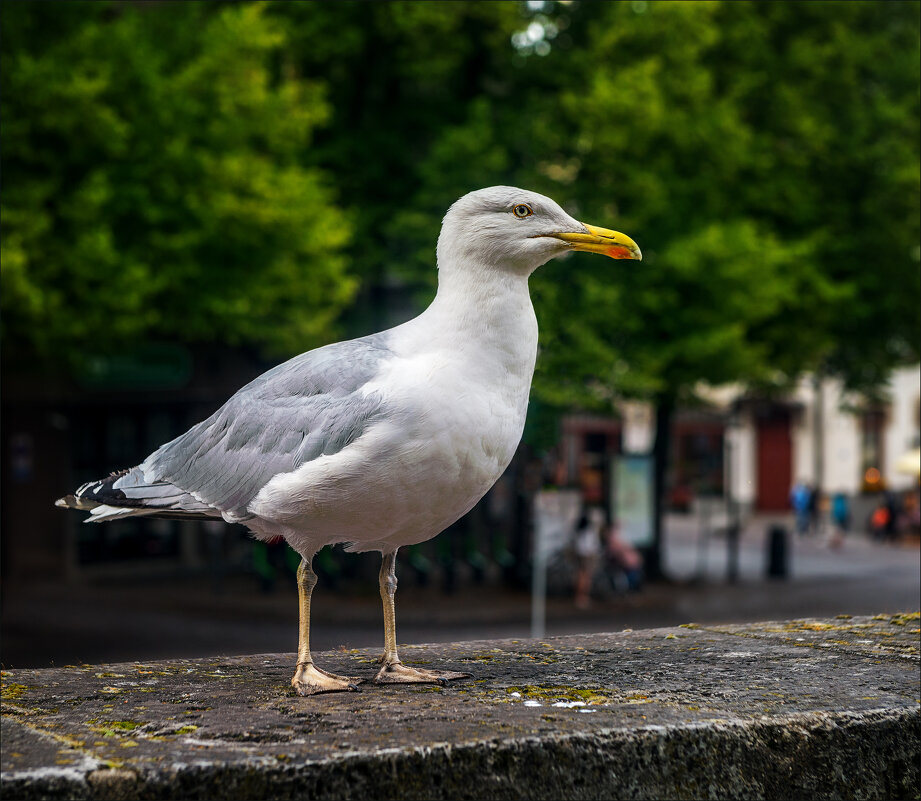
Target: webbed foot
310,680
398,673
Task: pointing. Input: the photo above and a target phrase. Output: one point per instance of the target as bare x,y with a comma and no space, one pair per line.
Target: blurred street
45,624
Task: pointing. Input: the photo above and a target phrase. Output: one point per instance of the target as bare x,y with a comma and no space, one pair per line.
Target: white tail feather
102,513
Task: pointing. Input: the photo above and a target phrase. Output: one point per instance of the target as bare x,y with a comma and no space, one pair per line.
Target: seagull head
516,230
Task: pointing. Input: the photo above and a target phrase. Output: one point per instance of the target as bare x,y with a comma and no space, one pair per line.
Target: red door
775,455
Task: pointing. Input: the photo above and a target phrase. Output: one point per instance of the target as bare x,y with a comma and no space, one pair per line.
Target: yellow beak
603,241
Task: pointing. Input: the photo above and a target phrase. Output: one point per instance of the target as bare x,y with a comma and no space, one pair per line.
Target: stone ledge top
91,725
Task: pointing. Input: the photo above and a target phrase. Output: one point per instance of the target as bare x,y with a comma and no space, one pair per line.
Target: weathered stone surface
817,708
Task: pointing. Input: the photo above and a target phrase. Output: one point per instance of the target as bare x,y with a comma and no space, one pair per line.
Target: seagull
381,441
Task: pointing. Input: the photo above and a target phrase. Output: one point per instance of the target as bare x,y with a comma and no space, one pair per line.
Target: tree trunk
665,408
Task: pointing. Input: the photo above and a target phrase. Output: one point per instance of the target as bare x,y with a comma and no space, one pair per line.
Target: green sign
634,498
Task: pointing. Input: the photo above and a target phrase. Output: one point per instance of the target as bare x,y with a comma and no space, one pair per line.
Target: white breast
454,400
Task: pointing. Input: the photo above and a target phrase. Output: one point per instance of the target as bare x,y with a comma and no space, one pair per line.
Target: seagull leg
393,671
308,678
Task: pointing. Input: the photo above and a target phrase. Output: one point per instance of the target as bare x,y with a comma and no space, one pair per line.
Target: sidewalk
810,556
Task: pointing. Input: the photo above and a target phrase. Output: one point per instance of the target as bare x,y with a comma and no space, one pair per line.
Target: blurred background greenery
184,181
269,173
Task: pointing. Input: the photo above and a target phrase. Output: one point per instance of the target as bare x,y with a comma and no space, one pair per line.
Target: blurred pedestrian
911,513
816,507
800,497
840,518
840,512
893,505
879,521
587,548
622,558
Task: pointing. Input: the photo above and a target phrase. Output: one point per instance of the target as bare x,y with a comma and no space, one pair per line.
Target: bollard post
732,552
777,560
539,592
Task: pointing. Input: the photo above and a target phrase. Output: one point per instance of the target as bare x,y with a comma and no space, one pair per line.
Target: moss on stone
10,691
589,696
112,728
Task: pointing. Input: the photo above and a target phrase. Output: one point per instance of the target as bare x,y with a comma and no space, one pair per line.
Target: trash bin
777,561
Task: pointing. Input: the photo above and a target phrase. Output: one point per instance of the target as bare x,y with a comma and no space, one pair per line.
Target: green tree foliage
154,184
755,150
831,94
402,76
164,174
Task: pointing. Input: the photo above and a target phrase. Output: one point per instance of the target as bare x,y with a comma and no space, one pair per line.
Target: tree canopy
754,150
155,185
238,172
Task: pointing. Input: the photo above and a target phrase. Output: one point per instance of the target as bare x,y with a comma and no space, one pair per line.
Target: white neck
487,309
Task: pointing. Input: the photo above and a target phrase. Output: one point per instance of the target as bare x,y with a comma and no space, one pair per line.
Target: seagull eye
522,210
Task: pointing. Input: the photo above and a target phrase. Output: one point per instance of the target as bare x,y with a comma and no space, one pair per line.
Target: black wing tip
76,502
102,491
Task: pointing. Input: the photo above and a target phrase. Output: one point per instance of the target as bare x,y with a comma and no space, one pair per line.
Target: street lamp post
732,507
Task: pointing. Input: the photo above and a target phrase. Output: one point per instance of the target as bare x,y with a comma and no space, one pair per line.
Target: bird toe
311,680
398,673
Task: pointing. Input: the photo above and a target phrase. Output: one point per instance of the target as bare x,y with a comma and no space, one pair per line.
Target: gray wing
307,407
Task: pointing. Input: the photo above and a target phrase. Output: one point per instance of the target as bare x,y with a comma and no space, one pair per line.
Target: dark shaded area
48,624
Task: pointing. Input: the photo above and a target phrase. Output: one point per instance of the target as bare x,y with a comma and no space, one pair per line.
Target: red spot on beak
619,252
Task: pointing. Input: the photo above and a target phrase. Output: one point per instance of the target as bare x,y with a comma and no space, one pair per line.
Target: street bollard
777,560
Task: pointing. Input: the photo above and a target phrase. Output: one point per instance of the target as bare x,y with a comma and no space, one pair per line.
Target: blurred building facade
825,437
750,450
756,448
60,431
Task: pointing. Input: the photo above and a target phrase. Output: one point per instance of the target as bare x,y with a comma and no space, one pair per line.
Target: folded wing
311,405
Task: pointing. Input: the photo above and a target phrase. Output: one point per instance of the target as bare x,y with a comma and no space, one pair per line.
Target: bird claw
311,680
398,673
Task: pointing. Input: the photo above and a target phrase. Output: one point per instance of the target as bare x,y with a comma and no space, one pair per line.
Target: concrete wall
798,709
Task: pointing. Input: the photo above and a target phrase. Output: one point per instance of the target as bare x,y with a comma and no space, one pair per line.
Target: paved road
64,624
812,558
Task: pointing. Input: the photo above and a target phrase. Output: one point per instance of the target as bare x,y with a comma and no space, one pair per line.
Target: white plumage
382,441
